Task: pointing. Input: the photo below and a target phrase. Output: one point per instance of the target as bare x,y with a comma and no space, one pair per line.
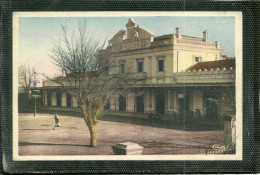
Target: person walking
57,121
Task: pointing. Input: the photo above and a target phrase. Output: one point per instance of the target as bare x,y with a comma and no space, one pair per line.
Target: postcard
127,86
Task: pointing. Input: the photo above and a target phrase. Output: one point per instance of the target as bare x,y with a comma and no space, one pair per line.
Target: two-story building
175,73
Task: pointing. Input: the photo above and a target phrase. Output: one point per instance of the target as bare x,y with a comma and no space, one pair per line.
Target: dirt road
37,137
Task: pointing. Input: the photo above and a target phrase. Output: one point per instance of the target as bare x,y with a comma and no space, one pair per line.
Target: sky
36,34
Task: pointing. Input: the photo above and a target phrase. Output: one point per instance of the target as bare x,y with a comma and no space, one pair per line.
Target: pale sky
36,34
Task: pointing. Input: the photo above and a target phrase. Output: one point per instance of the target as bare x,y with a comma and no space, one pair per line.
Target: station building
175,74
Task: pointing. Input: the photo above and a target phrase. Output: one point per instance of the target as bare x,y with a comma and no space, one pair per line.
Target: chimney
205,36
178,33
217,44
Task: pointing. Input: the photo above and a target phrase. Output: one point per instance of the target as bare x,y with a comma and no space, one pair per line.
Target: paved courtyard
36,137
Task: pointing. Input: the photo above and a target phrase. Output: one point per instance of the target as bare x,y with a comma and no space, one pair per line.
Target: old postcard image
127,86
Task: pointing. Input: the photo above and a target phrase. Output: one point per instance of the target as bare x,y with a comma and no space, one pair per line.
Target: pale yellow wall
130,102
112,103
64,99
116,103
50,83
53,99
45,98
176,105
173,62
185,58
150,65
169,109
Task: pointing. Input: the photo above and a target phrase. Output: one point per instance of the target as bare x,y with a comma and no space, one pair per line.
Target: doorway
160,103
140,103
69,102
58,96
122,103
211,108
184,104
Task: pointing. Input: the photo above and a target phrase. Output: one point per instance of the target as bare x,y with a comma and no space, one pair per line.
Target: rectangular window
197,59
122,68
160,65
140,66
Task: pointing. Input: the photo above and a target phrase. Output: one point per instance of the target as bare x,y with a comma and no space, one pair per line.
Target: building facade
175,74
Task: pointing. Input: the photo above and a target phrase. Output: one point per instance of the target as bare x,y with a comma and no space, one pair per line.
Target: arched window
69,101
58,96
122,103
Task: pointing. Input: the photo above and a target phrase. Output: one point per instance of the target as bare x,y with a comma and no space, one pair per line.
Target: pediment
134,31
118,38
144,33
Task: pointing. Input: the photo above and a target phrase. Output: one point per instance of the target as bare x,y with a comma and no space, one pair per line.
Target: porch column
147,101
64,99
166,105
153,99
130,102
170,101
74,102
175,102
116,103
198,101
112,103
53,99
45,101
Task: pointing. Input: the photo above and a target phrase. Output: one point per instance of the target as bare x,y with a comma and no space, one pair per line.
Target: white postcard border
239,83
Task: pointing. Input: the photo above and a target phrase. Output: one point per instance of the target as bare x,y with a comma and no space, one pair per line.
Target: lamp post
34,105
35,81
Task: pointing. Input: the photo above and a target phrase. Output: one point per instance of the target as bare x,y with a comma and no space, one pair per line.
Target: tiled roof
214,64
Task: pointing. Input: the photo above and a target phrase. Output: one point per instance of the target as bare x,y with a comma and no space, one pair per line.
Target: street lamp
34,105
35,81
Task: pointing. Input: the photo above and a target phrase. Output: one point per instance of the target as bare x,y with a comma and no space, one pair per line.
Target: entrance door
122,103
160,103
107,106
184,104
49,99
211,108
69,101
58,95
140,103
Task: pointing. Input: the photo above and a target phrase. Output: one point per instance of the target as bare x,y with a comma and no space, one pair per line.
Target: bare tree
25,78
85,66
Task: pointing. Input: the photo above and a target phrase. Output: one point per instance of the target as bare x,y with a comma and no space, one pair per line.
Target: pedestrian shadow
57,144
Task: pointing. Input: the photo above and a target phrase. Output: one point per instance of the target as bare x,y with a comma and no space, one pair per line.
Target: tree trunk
93,136
91,126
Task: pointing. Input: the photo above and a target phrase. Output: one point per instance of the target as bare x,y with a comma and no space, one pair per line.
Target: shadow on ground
202,124
192,125
58,144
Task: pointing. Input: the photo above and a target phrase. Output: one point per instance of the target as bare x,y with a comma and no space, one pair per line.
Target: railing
160,75
221,76
199,43
141,75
